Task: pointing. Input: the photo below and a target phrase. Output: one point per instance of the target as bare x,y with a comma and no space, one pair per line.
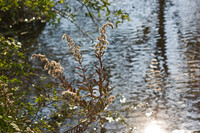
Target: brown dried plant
97,92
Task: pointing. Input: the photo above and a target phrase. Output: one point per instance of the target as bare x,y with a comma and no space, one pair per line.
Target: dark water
153,62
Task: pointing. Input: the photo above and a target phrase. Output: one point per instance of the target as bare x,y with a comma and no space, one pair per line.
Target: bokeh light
153,127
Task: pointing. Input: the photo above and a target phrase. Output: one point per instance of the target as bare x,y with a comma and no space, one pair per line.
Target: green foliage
12,64
18,112
15,11
12,70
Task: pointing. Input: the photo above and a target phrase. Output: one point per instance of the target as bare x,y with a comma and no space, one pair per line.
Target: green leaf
99,14
62,1
37,99
117,23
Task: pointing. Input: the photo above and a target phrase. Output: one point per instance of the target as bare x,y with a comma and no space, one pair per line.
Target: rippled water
153,61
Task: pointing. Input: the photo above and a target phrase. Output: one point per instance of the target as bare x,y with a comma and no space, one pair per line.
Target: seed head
73,48
70,94
43,58
68,38
109,100
100,46
108,24
53,67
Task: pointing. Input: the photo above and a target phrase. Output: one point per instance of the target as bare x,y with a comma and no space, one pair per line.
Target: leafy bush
18,111
12,64
15,11
13,69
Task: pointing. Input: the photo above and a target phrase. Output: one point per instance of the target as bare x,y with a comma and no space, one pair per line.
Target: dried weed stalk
92,103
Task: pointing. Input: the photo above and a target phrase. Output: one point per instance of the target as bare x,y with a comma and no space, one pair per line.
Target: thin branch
88,10
73,22
34,117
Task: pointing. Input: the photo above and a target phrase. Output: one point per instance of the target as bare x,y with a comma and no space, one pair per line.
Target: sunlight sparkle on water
153,127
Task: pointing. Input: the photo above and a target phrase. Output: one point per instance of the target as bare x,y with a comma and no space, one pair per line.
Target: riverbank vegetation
23,112
13,12
23,104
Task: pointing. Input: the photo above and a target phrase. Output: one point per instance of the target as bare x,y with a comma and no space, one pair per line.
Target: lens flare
153,127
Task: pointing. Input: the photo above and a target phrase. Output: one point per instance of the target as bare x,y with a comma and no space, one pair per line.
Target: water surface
152,60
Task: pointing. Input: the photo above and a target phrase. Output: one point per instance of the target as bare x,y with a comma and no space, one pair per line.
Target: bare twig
67,16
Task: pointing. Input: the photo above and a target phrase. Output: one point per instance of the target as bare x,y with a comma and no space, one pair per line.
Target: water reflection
160,46
153,127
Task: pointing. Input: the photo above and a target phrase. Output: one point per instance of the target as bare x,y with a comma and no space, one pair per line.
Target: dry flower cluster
73,47
71,94
54,68
101,45
109,100
94,105
43,58
4,93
